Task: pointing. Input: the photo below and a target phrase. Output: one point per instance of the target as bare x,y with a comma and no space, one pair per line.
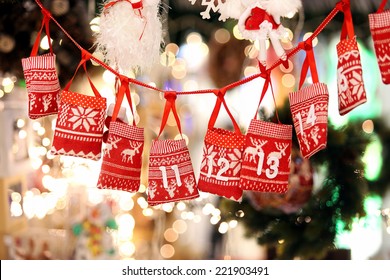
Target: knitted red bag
309,108
80,122
122,154
171,174
267,154
380,30
41,78
351,91
222,154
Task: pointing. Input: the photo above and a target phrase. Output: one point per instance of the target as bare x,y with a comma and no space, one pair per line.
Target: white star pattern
208,154
211,5
83,117
357,83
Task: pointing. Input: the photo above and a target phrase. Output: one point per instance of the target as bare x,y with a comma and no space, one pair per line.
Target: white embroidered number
222,162
175,168
273,163
272,171
311,118
225,163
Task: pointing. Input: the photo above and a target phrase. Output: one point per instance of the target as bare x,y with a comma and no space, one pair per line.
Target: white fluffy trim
282,8
120,37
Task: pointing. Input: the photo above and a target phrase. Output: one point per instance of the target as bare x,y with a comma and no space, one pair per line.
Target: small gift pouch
122,154
380,30
351,90
80,122
222,155
41,77
171,175
267,154
309,109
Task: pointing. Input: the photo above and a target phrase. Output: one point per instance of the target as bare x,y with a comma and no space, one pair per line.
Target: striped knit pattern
313,138
167,146
42,85
266,158
122,158
380,31
170,159
221,164
127,131
351,91
79,128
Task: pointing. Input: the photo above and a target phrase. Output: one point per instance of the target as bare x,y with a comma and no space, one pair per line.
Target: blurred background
50,207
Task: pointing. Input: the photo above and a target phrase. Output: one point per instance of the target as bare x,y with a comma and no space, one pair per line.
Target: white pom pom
127,40
230,9
282,8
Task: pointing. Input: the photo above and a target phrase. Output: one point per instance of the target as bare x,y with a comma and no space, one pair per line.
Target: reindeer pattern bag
171,175
222,154
309,109
122,155
41,78
380,31
267,154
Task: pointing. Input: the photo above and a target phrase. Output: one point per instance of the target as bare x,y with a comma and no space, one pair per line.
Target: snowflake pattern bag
171,175
41,78
222,155
351,90
80,122
309,109
122,154
380,31
267,154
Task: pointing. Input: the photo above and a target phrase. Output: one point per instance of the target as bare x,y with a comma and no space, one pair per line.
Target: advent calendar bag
41,78
309,109
351,91
222,154
170,175
267,155
80,122
122,154
380,31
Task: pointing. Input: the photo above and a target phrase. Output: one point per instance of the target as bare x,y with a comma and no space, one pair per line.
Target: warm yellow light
167,251
222,36
171,235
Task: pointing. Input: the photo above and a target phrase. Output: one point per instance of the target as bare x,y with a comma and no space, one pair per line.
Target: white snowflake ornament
211,5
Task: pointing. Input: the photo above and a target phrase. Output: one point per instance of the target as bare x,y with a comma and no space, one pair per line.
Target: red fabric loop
382,6
108,5
170,95
137,6
306,45
308,63
85,55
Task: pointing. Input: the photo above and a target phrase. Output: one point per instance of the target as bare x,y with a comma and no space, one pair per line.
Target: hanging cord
339,7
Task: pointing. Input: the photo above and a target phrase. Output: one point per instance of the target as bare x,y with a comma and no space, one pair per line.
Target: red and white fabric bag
222,155
309,108
351,90
80,122
122,154
41,77
380,30
171,175
267,154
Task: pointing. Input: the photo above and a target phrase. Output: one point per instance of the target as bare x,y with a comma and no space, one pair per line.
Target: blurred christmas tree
295,228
